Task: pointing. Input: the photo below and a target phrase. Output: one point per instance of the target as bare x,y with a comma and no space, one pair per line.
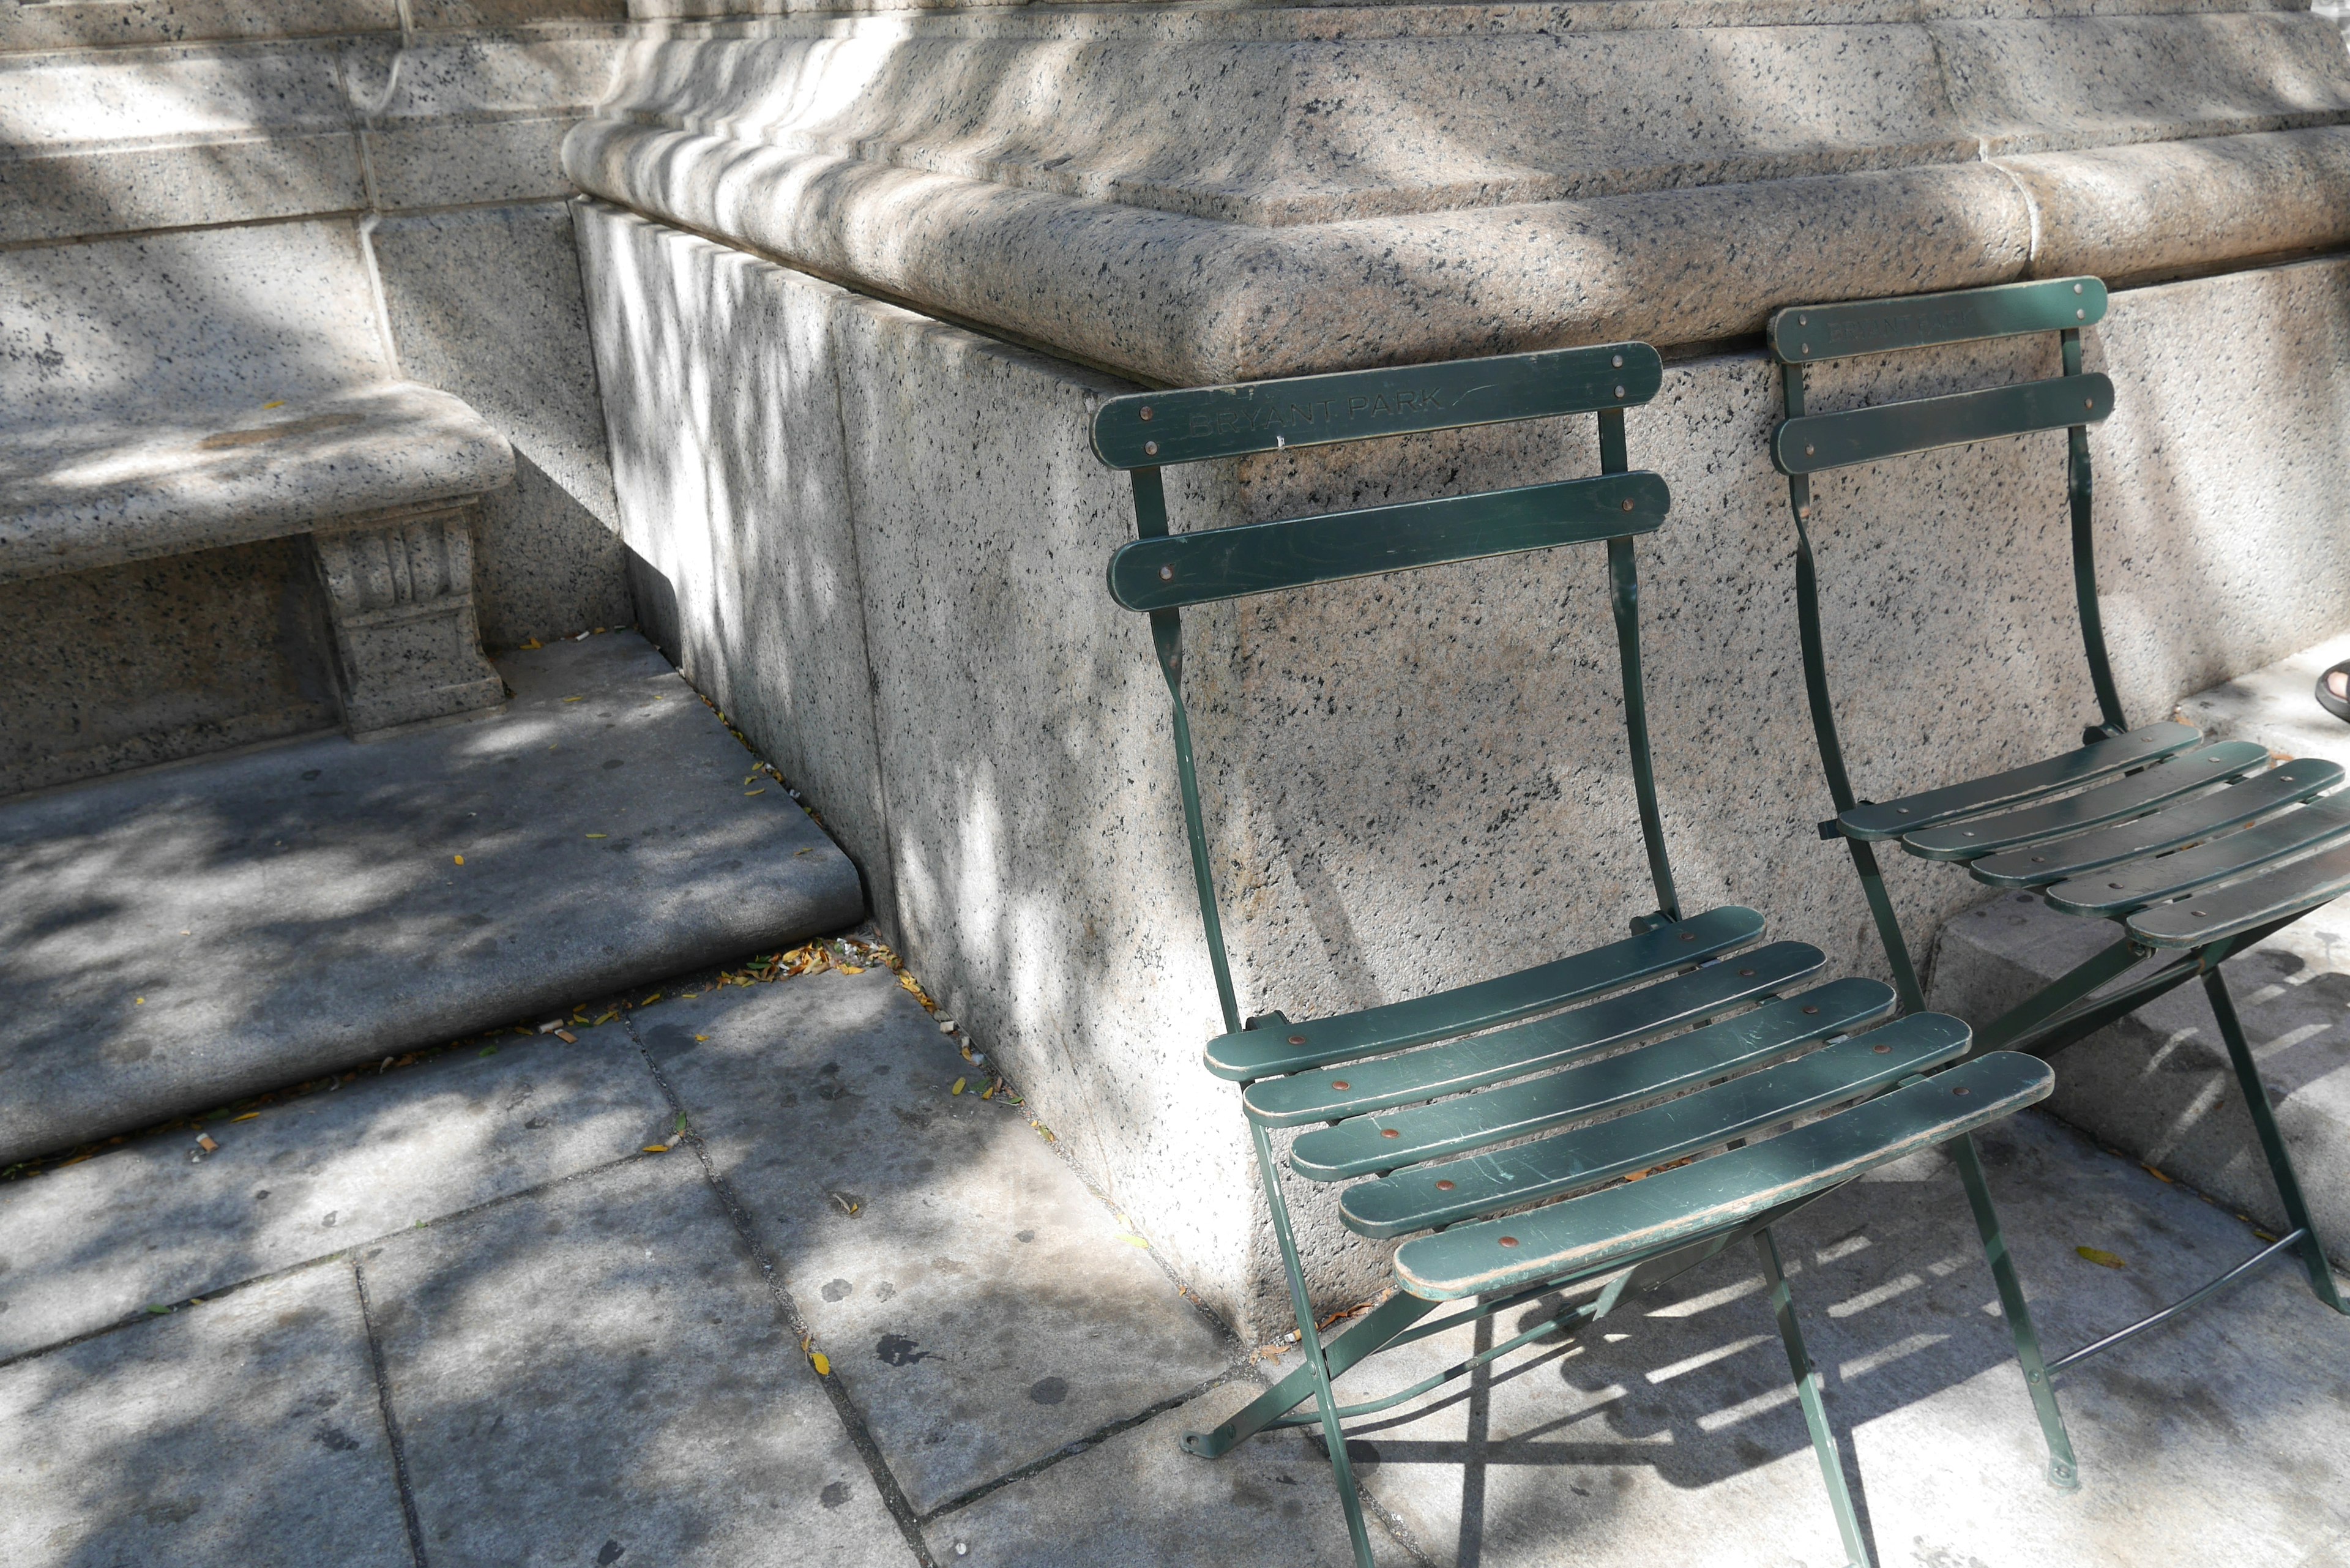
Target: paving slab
177,937
597,1374
981,1305
1668,1432
247,1430
1136,1500
2276,706
161,1219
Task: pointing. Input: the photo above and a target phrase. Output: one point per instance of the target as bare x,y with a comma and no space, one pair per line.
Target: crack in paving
408,1512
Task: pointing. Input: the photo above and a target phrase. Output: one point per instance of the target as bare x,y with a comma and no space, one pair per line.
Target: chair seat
1875,820
1659,1071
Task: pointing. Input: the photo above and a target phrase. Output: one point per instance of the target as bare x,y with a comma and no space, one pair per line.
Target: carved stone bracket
400,594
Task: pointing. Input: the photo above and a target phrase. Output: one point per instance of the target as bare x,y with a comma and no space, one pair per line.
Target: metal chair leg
1334,1437
2064,1469
2280,1171
1816,1414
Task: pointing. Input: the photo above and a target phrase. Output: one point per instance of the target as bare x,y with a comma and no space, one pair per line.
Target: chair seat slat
2101,759
1336,1092
2182,773
1744,1107
1145,430
1818,441
1584,1235
2120,890
1209,564
1455,1126
2290,889
1291,1047
2180,824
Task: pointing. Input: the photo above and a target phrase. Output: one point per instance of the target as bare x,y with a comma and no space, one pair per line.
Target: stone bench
381,478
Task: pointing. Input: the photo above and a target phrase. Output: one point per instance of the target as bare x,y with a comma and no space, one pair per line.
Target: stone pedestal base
400,596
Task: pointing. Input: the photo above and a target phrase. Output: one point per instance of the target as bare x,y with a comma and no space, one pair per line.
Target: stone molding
1208,194
400,595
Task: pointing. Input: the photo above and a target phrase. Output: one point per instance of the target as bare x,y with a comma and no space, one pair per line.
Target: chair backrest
1161,572
1803,334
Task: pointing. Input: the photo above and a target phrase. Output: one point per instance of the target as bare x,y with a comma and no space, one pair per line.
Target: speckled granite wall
1419,780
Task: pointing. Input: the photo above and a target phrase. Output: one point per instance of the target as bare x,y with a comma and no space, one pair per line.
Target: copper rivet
1509,1240
1146,410
1166,573
1627,504
1340,1083
1297,1040
1960,1090
1150,448
1881,1050
1444,1187
1811,1010
1389,1132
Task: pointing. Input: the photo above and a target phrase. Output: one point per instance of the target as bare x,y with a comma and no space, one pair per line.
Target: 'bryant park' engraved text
1323,410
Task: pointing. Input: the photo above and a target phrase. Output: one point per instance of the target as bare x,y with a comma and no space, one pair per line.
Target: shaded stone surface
597,1374
979,1304
180,937
1136,1500
1670,1428
163,1219
245,1430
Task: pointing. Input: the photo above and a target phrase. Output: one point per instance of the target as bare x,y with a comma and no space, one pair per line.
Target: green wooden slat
2118,890
1143,430
1584,1234
2175,827
2102,758
1411,1201
1209,564
2244,906
2182,773
1455,1126
1820,441
1291,1047
1333,1093
1807,334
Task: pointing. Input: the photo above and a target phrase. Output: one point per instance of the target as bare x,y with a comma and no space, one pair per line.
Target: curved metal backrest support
1803,334
1162,571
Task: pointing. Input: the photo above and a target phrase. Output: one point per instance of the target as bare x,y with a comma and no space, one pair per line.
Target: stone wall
878,540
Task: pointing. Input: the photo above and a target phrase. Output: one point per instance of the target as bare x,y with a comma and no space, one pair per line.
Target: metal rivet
1166,573
1150,448
1803,321
1807,348
1746,974
1902,809
2088,402
2080,315
1809,449
2196,913
1689,936
1618,361
2115,886
1811,1010
1389,1132
1340,1083
2076,289
1444,1187
1619,391
1962,1089
1297,1040
2040,860
1509,1240
1881,1050
1627,504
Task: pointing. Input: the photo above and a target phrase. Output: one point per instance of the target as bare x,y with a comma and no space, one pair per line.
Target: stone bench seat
137,484
382,477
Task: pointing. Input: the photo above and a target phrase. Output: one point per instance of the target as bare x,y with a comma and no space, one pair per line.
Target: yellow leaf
2101,1258
460,860
700,1038
656,1149
821,1362
761,790
575,699
1134,1241
2158,1176
606,1019
246,1117
278,404
959,1082
598,835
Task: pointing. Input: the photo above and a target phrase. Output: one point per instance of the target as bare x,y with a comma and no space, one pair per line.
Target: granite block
1269,1502
178,938
138,484
81,24
122,667
243,1431
162,1219
980,1306
597,1371
487,305
114,190
1644,1434
734,505
400,598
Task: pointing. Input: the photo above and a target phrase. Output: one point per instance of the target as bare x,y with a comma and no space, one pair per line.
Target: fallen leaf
821,1362
137,1002
2101,1258
1135,1242
606,1018
489,1050
748,793
598,835
958,1087
2157,1175
575,699
460,859
246,1117
700,1038
656,1149
2265,1236
278,404
649,1000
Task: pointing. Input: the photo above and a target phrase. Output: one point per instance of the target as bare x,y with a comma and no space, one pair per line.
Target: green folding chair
2194,850
1410,1101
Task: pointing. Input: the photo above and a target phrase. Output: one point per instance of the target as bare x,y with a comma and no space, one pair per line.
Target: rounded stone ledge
1179,299
141,484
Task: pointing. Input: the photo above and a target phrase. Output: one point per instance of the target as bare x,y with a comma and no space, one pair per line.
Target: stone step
177,937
